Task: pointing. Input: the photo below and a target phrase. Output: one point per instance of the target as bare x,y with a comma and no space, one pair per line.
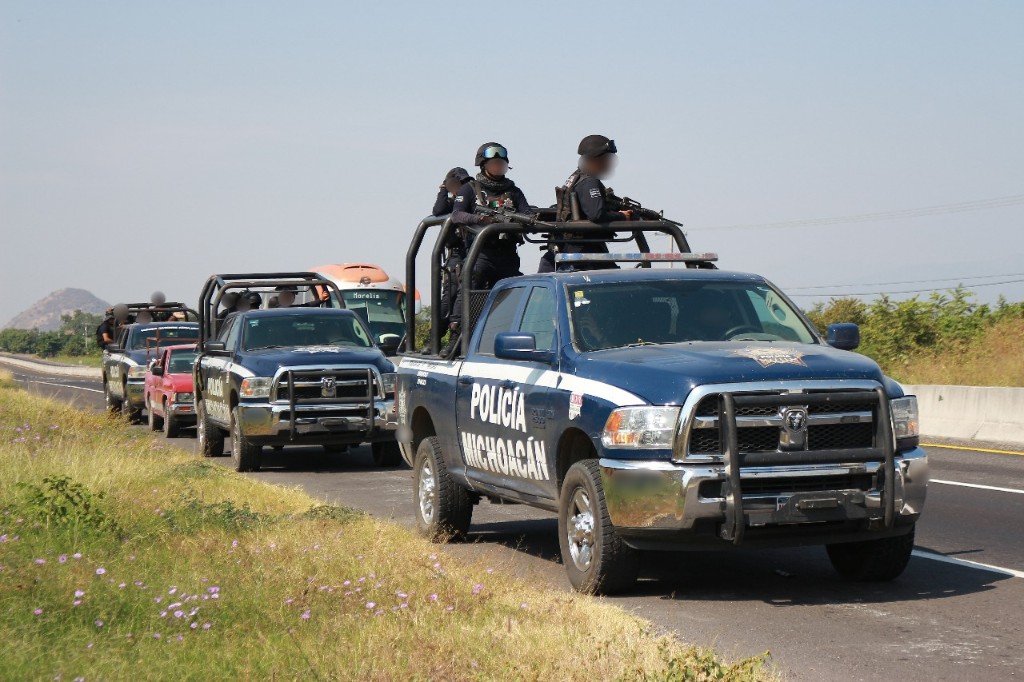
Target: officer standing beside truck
499,257
584,197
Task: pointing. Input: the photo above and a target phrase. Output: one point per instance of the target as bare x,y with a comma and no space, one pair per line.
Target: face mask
496,167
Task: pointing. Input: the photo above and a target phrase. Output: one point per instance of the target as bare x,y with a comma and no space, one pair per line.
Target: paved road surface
945,619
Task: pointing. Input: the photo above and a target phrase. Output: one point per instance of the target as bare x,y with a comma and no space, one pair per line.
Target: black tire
244,453
386,454
872,560
113,404
171,427
444,509
155,422
211,438
127,411
595,557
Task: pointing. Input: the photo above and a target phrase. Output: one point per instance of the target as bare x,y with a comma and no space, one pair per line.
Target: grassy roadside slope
123,559
995,358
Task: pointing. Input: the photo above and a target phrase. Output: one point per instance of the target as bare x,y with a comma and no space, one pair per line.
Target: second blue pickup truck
664,409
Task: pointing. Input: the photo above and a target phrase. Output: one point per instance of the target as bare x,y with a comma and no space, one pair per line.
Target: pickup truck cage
533,232
218,285
168,307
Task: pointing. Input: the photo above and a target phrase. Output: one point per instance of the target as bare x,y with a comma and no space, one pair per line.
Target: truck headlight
905,424
256,387
388,381
183,397
651,428
137,372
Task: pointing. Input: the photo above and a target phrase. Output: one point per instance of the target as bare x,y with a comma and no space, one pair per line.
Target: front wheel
127,411
872,560
211,438
443,507
171,426
113,404
595,557
386,454
155,423
244,453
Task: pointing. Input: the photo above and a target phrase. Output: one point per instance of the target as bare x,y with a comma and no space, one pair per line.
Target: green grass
77,360
124,559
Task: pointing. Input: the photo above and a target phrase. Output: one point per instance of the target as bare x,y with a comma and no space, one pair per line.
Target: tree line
76,337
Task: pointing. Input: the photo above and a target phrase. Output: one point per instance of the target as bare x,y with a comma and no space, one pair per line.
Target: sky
144,145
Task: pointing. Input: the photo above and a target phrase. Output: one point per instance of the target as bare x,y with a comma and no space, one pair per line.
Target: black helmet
593,146
457,174
255,300
490,150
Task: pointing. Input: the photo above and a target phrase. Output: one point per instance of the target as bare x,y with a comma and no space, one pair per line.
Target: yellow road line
961,447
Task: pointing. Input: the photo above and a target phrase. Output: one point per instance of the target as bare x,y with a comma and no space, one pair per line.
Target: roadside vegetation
945,339
121,558
74,343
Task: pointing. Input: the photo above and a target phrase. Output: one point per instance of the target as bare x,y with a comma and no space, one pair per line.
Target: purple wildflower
38,612
478,588
100,570
98,623
79,593
370,604
156,635
40,562
234,543
433,597
305,615
62,558
76,555
206,626
194,625
179,613
213,590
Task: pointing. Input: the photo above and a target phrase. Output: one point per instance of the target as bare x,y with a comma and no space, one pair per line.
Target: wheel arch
422,426
573,445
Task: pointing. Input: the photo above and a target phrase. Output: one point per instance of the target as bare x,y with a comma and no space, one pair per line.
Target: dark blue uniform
591,195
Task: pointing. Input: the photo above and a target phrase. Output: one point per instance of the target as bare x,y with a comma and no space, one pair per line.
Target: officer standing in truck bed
584,197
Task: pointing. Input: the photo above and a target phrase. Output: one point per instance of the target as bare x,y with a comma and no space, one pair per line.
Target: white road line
50,383
968,564
979,486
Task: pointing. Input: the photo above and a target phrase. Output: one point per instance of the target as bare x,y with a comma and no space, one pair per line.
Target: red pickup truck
169,390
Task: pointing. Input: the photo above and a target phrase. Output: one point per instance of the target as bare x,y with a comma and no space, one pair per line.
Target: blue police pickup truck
289,376
138,343
664,409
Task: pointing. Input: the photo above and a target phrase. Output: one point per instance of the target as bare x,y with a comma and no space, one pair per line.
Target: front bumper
135,393
659,503
183,412
272,423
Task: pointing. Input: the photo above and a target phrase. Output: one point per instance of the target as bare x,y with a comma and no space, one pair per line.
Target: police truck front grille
846,423
757,487
354,387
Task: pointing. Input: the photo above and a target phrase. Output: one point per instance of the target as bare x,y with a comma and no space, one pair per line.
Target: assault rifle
616,203
509,215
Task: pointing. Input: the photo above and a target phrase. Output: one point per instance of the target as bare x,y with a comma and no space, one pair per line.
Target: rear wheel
211,438
171,426
244,453
595,557
386,454
872,560
444,509
155,422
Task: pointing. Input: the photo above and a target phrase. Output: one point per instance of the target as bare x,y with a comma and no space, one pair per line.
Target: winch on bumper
749,493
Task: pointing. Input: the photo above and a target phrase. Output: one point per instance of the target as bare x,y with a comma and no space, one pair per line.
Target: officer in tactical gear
499,257
453,182
584,197
455,247
105,332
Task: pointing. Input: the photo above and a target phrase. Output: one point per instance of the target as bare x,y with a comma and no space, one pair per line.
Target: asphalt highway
955,614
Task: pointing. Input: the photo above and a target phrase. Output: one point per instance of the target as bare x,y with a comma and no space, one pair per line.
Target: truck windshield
617,314
381,309
303,329
181,362
151,337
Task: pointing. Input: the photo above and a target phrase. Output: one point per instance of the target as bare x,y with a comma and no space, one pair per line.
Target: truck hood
666,374
180,383
267,362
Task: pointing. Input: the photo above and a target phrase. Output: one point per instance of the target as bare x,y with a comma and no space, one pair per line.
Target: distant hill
45,313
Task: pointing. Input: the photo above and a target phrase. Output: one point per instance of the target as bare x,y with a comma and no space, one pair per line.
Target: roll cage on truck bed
859,494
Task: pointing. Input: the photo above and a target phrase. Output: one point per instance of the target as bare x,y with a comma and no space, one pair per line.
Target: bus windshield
381,309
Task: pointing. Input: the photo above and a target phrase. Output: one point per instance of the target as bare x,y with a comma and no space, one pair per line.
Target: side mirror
513,346
157,370
214,347
389,343
844,336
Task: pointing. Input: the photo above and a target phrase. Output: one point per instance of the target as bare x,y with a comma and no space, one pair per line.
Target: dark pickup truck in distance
290,376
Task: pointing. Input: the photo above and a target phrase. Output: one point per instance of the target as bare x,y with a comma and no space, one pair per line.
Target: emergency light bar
636,257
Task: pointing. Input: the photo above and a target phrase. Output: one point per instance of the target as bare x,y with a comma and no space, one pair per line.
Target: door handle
465,381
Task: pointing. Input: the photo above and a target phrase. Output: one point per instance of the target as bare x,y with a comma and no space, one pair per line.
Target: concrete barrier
52,368
972,413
